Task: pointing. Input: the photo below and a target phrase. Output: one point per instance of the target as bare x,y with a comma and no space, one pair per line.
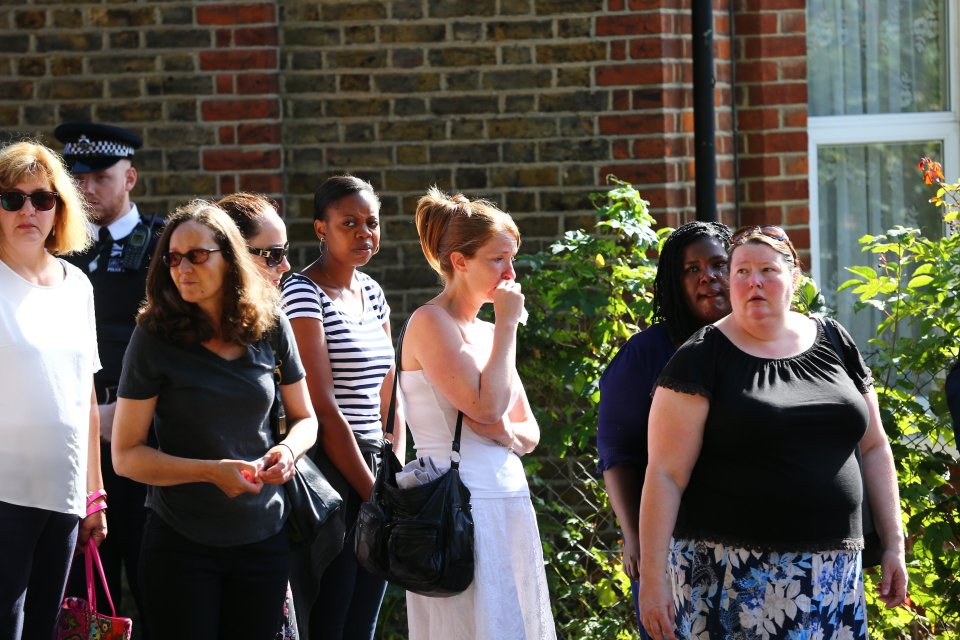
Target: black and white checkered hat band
86,147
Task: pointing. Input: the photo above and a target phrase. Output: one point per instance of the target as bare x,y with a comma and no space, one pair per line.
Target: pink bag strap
91,556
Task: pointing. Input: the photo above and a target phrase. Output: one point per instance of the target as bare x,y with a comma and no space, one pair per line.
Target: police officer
100,157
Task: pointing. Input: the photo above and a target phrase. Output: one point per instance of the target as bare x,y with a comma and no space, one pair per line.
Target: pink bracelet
92,505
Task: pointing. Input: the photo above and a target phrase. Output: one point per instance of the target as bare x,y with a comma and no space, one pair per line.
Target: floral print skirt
724,592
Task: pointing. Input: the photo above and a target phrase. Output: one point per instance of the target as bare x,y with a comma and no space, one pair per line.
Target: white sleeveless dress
508,599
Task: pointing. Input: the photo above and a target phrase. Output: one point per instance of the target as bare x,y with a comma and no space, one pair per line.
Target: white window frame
899,127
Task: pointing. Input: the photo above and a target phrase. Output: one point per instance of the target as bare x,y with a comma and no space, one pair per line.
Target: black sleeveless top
777,470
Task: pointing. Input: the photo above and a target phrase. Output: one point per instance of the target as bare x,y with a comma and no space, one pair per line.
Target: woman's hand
508,301
278,465
657,612
94,527
631,557
892,589
236,477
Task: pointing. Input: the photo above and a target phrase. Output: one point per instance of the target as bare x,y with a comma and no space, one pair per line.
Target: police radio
135,248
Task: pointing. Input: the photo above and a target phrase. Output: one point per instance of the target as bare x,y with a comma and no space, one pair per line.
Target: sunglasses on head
273,255
769,230
41,200
194,256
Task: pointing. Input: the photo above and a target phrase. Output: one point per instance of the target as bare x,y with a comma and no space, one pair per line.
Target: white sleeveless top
488,470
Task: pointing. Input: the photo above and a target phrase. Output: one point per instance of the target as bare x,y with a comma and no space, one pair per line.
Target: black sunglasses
273,255
41,200
769,230
194,256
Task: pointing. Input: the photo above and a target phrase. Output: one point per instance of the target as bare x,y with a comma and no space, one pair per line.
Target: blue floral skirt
724,592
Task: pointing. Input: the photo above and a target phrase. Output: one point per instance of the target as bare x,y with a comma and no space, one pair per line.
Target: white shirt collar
122,226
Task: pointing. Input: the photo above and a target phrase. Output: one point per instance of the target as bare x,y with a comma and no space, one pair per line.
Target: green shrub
915,285
586,295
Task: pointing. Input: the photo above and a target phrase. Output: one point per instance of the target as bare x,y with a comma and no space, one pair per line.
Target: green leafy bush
915,285
586,295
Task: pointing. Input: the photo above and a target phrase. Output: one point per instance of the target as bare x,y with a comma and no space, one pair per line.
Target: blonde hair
20,160
454,223
249,302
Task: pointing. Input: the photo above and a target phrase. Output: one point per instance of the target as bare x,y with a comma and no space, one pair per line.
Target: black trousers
37,546
193,591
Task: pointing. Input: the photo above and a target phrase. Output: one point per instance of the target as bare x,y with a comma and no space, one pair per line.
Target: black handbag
419,538
311,498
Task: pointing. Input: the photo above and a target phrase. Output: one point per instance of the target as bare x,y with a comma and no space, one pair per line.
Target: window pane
868,189
877,56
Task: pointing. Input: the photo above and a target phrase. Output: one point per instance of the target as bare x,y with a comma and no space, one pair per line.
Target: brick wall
198,82
530,103
771,99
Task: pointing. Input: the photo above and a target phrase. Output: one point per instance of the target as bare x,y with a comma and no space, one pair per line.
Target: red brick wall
245,109
772,116
530,103
652,115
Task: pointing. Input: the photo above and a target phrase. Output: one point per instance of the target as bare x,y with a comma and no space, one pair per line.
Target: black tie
105,243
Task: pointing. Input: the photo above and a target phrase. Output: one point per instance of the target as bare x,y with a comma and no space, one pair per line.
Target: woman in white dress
451,362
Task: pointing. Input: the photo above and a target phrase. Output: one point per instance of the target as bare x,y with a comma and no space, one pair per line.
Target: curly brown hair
249,303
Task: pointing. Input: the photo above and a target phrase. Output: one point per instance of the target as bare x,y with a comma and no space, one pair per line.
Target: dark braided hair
669,302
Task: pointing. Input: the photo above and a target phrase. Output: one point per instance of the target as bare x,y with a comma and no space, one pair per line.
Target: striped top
360,351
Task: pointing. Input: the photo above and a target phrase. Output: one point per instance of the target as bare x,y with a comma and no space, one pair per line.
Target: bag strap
392,411
277,377
91,557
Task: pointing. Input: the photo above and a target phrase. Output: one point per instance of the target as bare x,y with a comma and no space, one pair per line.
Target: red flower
931,169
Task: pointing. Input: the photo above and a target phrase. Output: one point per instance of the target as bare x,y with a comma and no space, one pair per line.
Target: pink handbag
79,619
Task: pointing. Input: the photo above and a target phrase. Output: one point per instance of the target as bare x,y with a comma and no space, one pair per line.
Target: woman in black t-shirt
200,367
752,435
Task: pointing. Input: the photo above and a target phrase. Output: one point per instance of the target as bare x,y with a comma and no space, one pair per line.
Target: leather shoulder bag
419,538
311,498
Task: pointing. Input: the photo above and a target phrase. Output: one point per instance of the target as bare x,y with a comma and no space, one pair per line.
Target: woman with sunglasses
753,432
51,497
690,290
341,320
263,230
266,237
200,367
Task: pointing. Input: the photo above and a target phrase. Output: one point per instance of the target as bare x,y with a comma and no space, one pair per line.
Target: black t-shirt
777,469
209,408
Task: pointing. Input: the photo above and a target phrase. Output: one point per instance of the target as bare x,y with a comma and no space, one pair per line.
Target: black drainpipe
704,133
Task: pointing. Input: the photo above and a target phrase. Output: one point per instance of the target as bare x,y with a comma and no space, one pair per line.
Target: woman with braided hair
690,290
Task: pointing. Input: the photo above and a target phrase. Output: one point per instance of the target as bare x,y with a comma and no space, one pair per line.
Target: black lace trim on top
682,386
820,546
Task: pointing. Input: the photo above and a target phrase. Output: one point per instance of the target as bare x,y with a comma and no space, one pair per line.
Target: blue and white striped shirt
360,351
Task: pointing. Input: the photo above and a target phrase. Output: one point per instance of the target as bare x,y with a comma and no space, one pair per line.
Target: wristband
92,509
284,444
96,495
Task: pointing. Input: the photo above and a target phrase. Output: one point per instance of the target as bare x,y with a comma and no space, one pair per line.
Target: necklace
328,288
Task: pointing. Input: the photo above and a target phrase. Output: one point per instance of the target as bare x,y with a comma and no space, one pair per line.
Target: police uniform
117,266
